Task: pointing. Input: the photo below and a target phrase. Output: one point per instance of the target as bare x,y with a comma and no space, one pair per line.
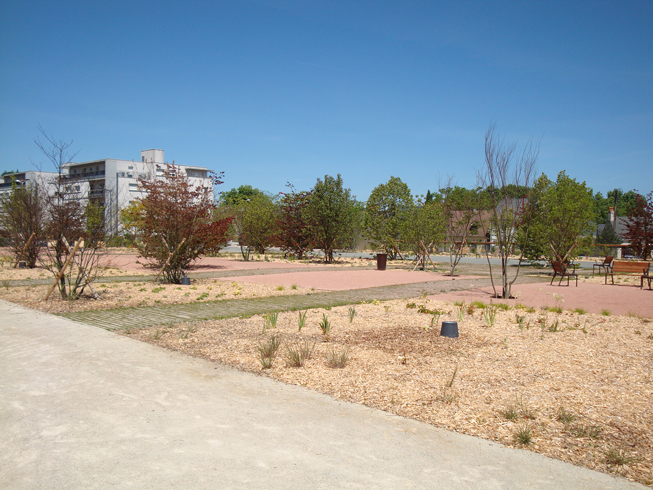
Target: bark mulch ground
574,387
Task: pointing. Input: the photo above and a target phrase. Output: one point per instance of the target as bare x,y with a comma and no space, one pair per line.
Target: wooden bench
632,268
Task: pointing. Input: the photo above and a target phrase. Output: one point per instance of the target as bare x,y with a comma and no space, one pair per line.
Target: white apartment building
29,177
111,183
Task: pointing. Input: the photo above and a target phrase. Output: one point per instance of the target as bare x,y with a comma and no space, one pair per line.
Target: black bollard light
449,329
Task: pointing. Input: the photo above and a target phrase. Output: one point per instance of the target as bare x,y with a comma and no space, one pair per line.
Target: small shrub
352,313
554,309
502,306
605,312
618,457
580,311
520,321
435,319
271,319
591,431
564,416
202,296
461,312
447,397
478,304
518,410
267,351
296,355
158,290
411,305
294,286
509,413
489,314
555,326
425,310
337,359
524,435
280,288
302,320
325,326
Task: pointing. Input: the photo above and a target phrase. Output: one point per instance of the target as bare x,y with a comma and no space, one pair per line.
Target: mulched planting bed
133,294
580,387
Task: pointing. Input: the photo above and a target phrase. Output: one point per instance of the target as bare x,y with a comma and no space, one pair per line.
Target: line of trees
509,213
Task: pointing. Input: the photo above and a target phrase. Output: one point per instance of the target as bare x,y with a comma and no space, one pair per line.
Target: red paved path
342,280
594,298
128,262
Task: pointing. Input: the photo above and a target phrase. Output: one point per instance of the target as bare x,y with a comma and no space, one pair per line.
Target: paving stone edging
148,316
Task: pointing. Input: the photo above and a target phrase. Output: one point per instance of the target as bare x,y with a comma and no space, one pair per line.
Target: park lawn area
575,387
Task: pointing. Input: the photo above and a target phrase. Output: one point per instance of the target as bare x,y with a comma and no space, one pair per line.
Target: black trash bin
381,260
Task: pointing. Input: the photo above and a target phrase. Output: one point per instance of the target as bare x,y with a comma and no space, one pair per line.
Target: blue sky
276,91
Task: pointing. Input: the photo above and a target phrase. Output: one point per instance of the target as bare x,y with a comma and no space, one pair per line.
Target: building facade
110,183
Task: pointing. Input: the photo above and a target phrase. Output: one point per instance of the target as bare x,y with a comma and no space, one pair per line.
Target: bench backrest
630,267
558,267
608,260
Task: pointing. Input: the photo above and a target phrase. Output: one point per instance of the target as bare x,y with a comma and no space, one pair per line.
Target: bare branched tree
22,216
71,218
507,177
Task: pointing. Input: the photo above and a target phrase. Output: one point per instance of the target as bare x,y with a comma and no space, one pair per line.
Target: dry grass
598,368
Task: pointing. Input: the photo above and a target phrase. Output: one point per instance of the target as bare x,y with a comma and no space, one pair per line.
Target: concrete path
83,408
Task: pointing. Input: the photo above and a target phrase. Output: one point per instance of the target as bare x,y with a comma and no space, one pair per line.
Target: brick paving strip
142,317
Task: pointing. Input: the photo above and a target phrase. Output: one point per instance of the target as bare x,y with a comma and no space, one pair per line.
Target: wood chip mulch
580,385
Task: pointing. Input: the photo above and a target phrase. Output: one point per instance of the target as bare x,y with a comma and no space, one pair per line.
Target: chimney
612,218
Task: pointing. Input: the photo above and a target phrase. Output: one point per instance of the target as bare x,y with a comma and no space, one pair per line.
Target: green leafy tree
244,193
176,224
562,217
387,208
233,204
259,223
424,229
331,213
608,236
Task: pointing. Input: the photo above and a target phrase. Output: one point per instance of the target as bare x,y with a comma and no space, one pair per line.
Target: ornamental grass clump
297,355
337,359
267,351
